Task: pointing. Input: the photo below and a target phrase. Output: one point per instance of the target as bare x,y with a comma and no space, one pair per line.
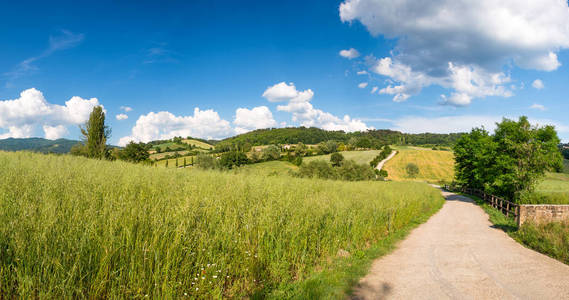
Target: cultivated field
434,166
269,168
197,143
361,157
172,161
78,228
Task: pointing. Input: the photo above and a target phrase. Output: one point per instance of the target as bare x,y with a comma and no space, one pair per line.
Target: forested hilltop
293,135
37,145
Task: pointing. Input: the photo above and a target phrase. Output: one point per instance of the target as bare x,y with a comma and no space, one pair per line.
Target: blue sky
280,63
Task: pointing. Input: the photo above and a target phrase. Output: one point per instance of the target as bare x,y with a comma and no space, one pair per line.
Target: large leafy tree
511,161
135,152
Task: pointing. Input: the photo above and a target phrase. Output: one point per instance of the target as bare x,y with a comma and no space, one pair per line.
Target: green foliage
381,156
95,134
412,170
297,161
77,228
272,152
134,152
349,170
233,159
206,162
511,161
336,159
300,149
59,146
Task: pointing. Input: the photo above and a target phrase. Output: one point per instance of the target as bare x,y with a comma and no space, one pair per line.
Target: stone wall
543,213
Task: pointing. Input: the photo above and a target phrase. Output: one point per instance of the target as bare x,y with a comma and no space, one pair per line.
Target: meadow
198,144
435,166
360,157
72,227
553,189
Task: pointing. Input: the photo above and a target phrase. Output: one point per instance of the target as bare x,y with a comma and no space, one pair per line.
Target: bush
272,152
412,170
336,159
233,159
297,161
206,162
349,170
318,169
352,171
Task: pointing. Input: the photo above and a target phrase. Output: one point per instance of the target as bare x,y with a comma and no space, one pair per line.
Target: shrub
272,152
352,171
297,161
206,162
318,169
412,170
336,159
233,159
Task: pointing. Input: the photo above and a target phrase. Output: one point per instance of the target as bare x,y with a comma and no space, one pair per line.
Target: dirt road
381,163
457,254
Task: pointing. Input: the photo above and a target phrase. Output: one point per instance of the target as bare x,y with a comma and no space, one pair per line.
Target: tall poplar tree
95,134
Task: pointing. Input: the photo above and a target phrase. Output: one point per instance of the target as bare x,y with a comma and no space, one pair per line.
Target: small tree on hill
412,170
336,159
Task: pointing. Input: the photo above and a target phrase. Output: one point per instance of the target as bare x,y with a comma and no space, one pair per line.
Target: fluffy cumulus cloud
121,117
251,119
21,117
349,53
464,46
165,125
298,104
374,89
362,85
538,84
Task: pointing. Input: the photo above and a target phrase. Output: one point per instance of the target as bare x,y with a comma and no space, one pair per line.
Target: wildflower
185,294
197,289
214,276
203,278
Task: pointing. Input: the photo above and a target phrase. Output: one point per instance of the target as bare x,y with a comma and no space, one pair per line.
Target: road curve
381,163
457,254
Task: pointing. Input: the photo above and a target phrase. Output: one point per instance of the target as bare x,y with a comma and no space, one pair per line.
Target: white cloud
251,119
126,108
350,53
165,125
304,113
364,72
54,132
23,115
280,92
121,117
538,84
538,107
374,89
362,85
462,45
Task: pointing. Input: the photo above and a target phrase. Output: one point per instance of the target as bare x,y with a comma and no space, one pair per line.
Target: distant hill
37,145
293,135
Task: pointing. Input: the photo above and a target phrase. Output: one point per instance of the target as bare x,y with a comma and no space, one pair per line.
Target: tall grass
72,227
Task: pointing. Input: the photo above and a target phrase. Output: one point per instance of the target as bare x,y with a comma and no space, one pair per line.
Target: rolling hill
37,145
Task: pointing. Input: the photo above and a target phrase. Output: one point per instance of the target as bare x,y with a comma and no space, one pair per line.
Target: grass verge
551,239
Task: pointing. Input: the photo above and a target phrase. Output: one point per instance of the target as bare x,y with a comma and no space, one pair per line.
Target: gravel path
457,254
381,163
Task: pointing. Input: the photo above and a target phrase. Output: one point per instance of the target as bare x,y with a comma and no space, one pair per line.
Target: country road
457,254
381,163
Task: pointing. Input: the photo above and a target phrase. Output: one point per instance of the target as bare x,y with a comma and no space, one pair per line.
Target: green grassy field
361,157
269,168
434,166
553,189
172,161
72,227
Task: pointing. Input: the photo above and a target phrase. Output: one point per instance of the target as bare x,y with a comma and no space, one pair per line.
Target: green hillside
37,145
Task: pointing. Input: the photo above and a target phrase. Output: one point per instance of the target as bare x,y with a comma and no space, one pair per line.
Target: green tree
336,159
272,152
134,152
95,134
412,170
205,161
300,149
233,159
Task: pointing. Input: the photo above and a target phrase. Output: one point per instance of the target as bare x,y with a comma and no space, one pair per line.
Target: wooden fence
506,207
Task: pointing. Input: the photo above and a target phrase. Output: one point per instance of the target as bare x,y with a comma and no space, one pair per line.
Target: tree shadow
366,291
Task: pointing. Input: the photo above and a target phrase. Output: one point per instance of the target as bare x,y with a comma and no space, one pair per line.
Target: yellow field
434,166
198,144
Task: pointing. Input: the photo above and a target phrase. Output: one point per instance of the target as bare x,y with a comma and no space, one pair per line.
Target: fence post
508,209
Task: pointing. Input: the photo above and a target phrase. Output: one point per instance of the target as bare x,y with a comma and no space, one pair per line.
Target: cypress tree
95,134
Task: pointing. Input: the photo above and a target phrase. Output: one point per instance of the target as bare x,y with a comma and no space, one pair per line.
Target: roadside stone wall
543,213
